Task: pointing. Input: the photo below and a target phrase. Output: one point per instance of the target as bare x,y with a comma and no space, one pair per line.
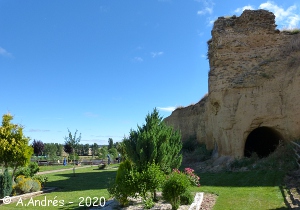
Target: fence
297,152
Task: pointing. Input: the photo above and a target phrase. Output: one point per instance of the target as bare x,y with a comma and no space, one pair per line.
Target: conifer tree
5,184
154,142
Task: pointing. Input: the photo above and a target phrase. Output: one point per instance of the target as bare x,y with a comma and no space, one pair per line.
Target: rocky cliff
254,88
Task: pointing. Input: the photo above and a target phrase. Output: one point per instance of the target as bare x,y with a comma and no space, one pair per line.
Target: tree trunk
73,163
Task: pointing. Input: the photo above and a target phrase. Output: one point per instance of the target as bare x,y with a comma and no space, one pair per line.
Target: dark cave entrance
263,141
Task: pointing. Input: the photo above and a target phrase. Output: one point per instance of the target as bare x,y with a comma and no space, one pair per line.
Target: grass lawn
245,190
235,190
55,167
88,182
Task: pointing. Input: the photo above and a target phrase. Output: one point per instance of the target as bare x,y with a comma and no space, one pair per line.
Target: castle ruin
253,98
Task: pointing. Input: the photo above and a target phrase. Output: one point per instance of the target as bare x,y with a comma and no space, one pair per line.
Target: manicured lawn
235,190
245,190
55,167
88,182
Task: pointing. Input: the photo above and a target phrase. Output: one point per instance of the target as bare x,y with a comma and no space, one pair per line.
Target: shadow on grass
253,178
96,179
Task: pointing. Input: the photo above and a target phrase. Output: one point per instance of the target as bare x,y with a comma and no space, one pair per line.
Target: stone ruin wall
254,81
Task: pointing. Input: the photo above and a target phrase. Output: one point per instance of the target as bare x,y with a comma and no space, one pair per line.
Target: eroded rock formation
254,82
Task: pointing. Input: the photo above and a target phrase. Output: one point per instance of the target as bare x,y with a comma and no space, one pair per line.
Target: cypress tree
154,142
5,184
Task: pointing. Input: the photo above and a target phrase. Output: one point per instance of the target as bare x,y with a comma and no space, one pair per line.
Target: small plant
28,171
102,166
244,162
36,186
194,179
265,75
200,153
175,186
179,107
124,185
148,203
42,179
292,31
150,180
25,185
186,198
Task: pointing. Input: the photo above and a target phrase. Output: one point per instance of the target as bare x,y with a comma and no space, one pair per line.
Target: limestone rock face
254,81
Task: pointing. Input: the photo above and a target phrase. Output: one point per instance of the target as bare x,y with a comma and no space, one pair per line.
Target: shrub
150,179
125,184
102,166
244,162
176,185
5,184
186,198
200,153
28,171
148,203
194,179
36,186
25,185
42,179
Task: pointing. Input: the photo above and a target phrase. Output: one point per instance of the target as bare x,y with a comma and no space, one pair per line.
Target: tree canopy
38,147
110,143
154,142
14,151
71,143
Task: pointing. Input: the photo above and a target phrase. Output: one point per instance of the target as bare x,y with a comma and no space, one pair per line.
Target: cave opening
262,141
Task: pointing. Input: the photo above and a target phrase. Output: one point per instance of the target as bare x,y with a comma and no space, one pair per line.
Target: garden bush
198,154
5,184
176,186
36,186
130,183
150,180
125,184
42,179
25,185
28,171
102,166
186,198
194,179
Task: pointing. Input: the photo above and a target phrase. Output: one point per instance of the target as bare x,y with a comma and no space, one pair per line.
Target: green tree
79,150
110,143
113,152
50,150
59,149
103,151
116,144
38,147
122,150
5,184
86,148
95,149
154,142
72,142
14,151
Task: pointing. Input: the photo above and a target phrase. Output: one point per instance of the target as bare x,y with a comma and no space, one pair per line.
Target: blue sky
100,66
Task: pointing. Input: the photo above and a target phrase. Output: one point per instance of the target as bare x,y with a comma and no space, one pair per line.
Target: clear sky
100,66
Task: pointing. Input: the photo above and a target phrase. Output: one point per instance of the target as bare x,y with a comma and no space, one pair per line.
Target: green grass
235,190
55,167
245,190
88,182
